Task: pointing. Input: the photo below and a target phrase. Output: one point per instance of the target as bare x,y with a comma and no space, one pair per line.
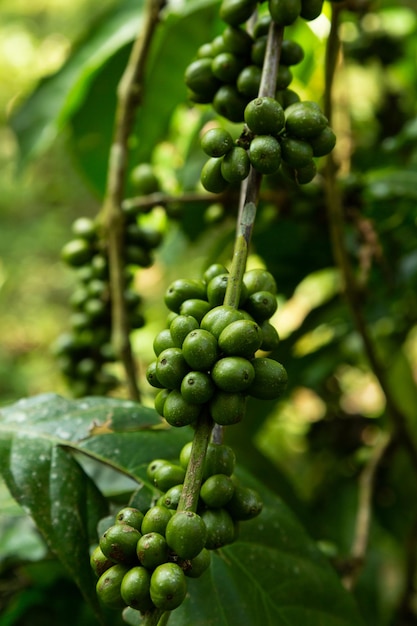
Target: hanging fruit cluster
86,349
206,357
282,133
143,559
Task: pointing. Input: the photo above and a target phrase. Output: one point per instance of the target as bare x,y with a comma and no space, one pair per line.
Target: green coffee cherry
178,412
152,377
284,12
168,586
226,66
215,269
167,476
197,388
258,51
249,80
185,454
265,116
195,307
236,12
261,27
270,379
235,165
311,9
229,103
216,320
180,326
171,498
296,152
233,374
237,40
108,586
152,550
119,543
162,341
154,466
100,562
130,516
284,77
160,400
186,534
259,280
181,290
77,252
261,305
156,519
144,179
200,79
200,348
291,52
228,408
304,120
301,175
217,491
195,567
241,338
220,459
270,337
212,178
135,588
265,154
220,528
216,142
171,368
323,143
244,504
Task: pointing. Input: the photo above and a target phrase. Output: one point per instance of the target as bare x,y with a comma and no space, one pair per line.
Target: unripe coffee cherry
119,543
265,154
233,374
152,550
186,534
156,520
130,516
212,178
265,116
270,379
108,586
216,142
135,588
168,586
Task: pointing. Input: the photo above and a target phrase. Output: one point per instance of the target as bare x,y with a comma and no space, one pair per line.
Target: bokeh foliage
312,446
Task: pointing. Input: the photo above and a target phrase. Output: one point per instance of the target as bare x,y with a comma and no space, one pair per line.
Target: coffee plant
272,219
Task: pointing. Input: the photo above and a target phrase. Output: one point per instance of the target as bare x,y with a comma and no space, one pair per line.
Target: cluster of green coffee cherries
143,559
278,139
227,71
84,351
205,358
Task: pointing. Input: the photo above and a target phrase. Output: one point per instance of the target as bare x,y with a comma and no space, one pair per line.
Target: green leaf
273,575
47,110
81,96
175,43
40,438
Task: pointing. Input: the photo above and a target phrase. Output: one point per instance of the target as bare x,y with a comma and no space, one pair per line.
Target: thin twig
111,216
364,514
352,293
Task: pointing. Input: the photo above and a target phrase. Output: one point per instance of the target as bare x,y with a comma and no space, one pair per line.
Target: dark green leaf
47,111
